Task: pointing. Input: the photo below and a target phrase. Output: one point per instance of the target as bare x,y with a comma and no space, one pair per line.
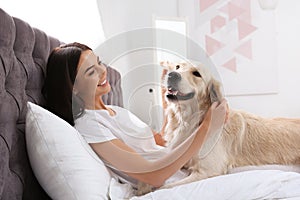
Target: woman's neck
96,104
99,105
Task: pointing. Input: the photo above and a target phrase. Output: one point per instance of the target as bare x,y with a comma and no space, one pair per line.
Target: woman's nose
101,69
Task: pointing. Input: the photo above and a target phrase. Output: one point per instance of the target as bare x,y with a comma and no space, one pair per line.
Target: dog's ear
215,92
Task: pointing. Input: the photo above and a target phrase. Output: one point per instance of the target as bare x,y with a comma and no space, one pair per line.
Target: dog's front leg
143,188
194,176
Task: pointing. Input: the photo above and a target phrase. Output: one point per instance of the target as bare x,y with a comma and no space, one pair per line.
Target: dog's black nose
173,78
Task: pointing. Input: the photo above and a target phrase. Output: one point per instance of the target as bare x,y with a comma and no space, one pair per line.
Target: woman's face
90,83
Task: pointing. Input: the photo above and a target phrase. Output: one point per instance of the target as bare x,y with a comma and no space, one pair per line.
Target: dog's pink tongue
176,93
173,92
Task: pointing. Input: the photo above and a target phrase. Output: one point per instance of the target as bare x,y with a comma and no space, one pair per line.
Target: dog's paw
167,186
143,188
170,185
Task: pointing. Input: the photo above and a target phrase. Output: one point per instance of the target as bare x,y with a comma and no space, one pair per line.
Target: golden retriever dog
246,139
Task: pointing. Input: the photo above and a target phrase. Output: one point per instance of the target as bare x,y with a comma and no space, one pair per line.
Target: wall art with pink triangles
240,39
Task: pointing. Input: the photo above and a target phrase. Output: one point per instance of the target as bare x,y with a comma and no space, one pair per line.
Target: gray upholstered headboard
23,54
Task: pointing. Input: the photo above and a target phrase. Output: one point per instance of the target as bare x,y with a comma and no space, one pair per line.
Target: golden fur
246,139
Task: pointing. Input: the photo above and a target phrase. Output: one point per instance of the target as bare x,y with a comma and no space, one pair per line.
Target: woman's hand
227,112
159,139
216,116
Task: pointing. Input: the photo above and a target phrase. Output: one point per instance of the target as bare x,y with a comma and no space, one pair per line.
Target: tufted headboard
23,54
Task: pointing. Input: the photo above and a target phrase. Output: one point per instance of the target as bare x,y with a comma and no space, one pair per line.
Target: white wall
287,101
124,15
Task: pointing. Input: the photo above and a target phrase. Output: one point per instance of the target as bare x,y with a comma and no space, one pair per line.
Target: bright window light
67,20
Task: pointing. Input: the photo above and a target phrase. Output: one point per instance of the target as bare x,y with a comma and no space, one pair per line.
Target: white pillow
64,164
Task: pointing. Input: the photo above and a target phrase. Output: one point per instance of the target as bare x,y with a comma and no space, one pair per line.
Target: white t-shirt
99,126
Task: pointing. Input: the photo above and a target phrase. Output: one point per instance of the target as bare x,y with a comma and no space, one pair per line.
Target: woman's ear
75,91
76,86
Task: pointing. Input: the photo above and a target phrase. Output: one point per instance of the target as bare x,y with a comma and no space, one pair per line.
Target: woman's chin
102,90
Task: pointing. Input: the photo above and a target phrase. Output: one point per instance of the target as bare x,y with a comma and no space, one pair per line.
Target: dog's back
261,141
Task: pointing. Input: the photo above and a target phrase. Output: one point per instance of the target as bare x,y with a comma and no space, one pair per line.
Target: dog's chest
176,135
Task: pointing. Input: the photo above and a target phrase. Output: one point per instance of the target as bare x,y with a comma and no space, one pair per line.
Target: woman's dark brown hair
60,77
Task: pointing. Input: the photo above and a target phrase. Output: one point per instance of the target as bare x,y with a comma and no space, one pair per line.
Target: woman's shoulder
118,109
87,116
90,118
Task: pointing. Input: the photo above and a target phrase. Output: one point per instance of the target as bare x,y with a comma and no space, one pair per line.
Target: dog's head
186,83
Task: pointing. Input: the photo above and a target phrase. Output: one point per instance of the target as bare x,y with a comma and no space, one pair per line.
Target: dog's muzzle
173,79
173,92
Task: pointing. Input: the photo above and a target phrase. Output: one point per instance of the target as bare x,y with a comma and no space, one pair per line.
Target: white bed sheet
254,184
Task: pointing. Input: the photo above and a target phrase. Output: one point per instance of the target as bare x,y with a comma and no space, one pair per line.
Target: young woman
74,85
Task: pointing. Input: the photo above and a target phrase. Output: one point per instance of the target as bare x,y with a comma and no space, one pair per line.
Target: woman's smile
103,83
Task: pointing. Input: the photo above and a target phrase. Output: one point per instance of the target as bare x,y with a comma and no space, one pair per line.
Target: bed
42,157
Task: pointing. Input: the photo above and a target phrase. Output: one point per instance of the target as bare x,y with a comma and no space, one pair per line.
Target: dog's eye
196,73
177,66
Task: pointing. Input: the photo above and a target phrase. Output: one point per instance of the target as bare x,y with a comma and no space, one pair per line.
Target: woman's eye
91,73
196,73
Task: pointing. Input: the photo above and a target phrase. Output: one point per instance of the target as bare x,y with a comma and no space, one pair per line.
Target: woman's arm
154,173
125,159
